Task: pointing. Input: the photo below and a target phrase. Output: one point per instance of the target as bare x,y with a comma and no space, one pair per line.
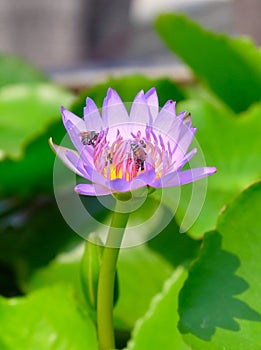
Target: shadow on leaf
207,299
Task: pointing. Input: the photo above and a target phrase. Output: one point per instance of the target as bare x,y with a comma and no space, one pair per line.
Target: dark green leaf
32,235
220,303
177,248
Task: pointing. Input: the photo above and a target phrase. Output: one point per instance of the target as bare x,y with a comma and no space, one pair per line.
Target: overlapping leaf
158,328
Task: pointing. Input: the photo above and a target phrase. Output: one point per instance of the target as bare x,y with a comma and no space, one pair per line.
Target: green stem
107,278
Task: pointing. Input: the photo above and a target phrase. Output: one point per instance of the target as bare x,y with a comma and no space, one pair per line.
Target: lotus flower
121,152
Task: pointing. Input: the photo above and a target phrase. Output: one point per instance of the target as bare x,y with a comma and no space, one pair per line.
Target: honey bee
139,154
89,138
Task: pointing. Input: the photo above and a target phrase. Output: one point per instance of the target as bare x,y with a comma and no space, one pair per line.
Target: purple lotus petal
143,179
74,126
186,159
166,116
153,102
119,185
175,131
77,162
182,114
63,152
184,143
113,110
92,118
92,190
71,119
120,153
95,177
140,112
184,177
87,155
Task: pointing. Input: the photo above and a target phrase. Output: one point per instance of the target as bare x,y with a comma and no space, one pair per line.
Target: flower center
127,158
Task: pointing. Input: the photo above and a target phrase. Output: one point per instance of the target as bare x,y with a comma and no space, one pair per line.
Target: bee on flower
120,152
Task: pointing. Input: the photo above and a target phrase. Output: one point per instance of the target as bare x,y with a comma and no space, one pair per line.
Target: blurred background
75,40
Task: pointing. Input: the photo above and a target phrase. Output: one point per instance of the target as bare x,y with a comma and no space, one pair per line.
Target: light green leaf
15,70
140,271
26,111
47,319
220,303
230,67
158,328
231,145
141,275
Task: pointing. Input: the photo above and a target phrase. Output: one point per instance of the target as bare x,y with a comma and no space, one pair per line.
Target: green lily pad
230,67
40,321
220,303
158,328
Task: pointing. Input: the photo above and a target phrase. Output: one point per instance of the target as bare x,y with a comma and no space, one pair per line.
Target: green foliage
220,304
158,328
90,268
40,321
26,111
66,270
14,70
232,145
27,239
230,67
128,87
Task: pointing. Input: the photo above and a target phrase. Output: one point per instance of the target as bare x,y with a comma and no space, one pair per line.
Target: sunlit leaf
230,67
40,321
158,328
